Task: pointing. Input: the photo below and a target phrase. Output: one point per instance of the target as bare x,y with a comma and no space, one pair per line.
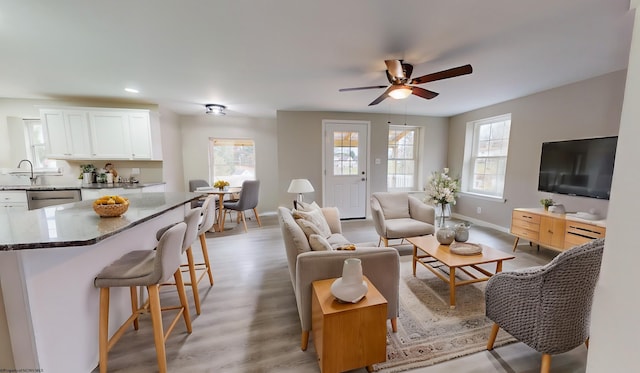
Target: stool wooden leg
205,254
103,329
194,280
158,331
134,304
304,340
183,298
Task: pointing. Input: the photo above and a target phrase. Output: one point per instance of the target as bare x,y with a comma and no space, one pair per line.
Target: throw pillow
319,243
307,207
308,227
317,218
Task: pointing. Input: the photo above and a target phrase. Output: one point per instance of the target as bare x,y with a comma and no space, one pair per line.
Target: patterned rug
429,331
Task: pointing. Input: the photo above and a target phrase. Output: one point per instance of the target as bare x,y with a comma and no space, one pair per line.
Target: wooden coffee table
437,254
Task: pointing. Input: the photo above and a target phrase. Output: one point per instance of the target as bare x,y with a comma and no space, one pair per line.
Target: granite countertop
78,187
76,224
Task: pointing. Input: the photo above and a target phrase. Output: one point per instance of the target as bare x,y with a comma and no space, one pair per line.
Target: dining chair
248,200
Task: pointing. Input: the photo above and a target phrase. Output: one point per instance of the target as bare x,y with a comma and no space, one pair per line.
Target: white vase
87,177
350,288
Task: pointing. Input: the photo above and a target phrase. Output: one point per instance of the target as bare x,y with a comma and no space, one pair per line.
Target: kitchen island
48,260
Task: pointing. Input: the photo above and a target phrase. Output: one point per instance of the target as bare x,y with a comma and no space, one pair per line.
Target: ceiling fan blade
444,74
382,96
361,88
424,93
394,67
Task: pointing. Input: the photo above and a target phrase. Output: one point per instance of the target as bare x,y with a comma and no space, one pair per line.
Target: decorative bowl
112,210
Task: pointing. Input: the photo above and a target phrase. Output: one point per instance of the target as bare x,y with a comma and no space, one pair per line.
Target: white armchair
399,215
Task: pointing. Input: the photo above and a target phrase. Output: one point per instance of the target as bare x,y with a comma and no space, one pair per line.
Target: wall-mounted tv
578,167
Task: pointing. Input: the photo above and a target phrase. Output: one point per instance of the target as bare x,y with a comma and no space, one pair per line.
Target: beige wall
589,108
172,164
196,131
614,320
300,147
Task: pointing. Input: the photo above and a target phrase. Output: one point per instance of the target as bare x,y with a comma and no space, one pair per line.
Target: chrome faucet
31,178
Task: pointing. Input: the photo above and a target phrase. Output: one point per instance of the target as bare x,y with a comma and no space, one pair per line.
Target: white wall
590,108
614,322
196,132
172,164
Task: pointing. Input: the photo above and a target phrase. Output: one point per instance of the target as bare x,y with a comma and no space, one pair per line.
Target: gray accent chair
195,184
248,200
399,215
548,308
380,264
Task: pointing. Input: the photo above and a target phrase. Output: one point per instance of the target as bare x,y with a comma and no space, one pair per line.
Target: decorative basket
110,211
465,248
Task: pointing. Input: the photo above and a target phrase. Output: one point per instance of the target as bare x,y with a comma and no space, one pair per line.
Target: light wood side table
346,335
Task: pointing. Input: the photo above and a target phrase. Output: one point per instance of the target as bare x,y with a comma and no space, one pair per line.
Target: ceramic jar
445,235
461,232
350,288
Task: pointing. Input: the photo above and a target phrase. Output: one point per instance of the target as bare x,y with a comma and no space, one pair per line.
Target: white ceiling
257,57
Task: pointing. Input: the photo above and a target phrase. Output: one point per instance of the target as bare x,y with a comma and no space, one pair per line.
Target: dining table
218,226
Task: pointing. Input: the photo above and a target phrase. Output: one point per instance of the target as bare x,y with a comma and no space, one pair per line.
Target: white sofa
380,264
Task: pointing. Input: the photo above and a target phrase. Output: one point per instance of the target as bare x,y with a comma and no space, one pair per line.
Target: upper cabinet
67,133
92,133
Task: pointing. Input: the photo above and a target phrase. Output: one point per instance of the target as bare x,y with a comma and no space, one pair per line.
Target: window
402,164
232,160
36,145
345,153
487,163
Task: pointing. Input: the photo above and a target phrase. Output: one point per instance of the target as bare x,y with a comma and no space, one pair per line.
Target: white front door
345,167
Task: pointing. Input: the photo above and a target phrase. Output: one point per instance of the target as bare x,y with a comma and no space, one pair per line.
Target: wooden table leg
220,222
499,266
415,259
452,287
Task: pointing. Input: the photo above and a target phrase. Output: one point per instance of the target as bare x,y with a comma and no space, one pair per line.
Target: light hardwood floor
249,320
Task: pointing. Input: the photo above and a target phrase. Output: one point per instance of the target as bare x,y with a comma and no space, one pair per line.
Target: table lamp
300,186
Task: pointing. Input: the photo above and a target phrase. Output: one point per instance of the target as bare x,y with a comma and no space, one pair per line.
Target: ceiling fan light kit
400,92
399,74
215,109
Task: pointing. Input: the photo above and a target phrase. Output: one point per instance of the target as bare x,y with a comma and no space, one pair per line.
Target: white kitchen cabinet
67,133
100,133
121,134
13,200
140,135
110,137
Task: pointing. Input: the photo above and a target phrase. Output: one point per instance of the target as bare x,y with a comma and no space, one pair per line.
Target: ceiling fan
399,75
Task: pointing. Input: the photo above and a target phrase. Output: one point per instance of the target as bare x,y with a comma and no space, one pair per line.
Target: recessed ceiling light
132,90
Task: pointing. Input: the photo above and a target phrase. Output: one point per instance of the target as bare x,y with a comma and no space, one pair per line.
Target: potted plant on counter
546,202
87,173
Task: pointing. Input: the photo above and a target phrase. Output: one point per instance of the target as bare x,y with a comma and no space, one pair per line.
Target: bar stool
144,268
192,219
207,219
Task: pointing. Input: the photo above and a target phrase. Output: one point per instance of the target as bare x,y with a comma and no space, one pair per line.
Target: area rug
429,331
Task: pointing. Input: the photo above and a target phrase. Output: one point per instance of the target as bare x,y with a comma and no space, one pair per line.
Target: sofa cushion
316,217
308,228
319,243
401,228
337,240
394,205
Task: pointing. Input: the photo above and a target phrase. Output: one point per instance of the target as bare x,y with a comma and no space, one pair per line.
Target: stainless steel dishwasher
42,198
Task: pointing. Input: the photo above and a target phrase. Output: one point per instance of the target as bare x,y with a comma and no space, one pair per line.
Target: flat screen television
578,167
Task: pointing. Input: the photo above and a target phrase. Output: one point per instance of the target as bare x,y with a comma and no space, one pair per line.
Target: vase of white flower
442,190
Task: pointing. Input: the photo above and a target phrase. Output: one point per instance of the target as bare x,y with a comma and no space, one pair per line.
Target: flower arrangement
546,202
220,184
442,188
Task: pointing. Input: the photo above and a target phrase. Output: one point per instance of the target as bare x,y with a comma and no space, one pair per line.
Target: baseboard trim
480,222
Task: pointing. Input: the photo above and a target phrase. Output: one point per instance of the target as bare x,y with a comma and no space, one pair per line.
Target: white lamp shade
400,93
300,186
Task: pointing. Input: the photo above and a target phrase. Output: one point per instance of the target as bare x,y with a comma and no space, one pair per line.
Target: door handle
363,179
